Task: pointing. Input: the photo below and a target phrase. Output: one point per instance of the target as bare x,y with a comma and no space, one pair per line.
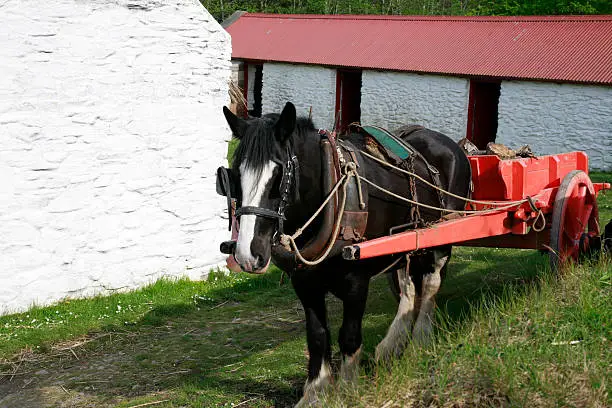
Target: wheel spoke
568,241
574,225
585,216
593,223
572,253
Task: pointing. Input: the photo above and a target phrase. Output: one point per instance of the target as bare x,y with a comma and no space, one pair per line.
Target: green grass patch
199,343
231,148
151,305
504,333
544,345
604,200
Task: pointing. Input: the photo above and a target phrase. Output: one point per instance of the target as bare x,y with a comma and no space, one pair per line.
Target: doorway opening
482,112
257,87
250,80
348,98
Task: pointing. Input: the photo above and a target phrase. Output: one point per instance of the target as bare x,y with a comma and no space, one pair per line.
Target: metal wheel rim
575,211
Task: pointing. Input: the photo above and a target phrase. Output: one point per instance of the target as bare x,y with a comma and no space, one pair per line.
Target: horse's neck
308,152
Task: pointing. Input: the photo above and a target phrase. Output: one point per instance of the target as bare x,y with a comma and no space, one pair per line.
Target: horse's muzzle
229,247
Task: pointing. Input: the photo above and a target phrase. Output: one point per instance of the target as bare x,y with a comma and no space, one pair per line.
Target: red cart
558,211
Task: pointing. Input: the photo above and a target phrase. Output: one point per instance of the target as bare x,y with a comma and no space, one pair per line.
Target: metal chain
392,194
384,163
413,192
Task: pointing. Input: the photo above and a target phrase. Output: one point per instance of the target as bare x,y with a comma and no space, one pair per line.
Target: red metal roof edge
458,69
548,18
443,73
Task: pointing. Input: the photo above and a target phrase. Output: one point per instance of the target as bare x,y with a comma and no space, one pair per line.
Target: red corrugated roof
553,48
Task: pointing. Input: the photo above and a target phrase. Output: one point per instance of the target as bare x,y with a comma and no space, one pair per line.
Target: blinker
227,188
225,183
228,247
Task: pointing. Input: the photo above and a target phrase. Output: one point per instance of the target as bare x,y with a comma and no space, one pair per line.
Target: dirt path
200,357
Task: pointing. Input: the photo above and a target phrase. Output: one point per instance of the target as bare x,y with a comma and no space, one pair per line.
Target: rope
542,220
286,240
300,230
431,207
384,163
540,217
389,267
350,171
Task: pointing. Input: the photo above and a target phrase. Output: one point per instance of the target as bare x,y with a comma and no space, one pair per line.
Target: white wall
556,118
304,86
393,99
111,131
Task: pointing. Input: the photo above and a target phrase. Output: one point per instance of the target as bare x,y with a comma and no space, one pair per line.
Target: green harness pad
389,141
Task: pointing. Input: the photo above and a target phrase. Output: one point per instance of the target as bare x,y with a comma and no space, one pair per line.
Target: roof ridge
543,19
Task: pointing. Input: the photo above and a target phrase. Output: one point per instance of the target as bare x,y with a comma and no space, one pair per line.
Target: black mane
304,124
259,144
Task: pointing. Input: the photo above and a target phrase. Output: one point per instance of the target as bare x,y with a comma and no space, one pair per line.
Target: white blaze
253,188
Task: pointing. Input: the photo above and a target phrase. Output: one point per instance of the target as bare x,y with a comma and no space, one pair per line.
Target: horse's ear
286,123
237,125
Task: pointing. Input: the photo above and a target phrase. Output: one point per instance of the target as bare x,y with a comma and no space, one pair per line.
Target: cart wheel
575,229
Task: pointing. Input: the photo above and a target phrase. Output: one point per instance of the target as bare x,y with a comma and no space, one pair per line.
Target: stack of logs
496,149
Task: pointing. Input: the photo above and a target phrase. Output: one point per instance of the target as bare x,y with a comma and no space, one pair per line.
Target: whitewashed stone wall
110,133
393,99
556,118
305,86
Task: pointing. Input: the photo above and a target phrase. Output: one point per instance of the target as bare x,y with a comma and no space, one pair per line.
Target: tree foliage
221,9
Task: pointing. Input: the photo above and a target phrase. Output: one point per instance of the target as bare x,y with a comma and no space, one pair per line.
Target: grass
544,344
202,343
503,328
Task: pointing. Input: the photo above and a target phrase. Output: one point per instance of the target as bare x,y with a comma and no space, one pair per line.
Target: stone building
111,131
543,81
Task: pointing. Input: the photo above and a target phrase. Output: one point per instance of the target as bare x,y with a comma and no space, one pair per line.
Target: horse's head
261,179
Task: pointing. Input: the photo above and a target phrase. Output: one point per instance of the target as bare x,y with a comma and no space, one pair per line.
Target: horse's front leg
432,280
398,334
319,349
350,338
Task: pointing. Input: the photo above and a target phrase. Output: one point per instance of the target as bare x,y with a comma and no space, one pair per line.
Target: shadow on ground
247,348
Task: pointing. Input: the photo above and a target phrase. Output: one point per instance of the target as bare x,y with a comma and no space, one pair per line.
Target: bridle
289,193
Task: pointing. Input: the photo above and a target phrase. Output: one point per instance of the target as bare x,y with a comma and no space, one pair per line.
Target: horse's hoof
385,353
421,336
349,369
308,401
382,355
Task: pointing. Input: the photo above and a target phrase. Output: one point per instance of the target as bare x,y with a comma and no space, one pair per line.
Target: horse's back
446,156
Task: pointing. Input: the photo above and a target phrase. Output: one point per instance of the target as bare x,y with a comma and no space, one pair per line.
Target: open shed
543,80
112,130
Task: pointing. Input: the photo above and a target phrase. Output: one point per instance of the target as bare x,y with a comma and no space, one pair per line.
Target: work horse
281,176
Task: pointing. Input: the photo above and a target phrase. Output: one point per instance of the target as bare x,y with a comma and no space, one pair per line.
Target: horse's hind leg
399,332
430,285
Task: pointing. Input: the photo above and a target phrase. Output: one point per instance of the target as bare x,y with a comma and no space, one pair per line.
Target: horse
277,148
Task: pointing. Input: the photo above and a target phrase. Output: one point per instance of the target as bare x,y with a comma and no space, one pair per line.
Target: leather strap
223,177
261,212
